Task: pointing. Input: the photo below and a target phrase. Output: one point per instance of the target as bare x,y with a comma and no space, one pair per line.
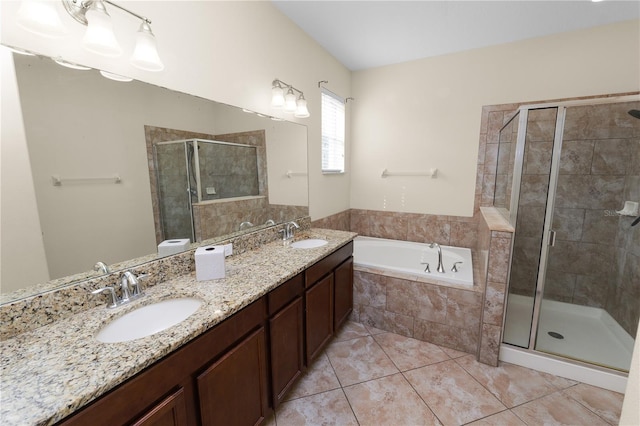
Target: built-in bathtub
409,259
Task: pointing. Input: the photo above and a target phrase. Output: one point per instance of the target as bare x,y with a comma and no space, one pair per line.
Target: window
333,118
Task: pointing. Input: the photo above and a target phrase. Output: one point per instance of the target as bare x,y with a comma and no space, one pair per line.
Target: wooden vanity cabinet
179,387
286,333
328,285
234,390
343,293
171,411
240,370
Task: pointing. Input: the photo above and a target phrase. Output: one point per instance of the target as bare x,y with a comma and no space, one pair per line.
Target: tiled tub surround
51,302
462,318
52,371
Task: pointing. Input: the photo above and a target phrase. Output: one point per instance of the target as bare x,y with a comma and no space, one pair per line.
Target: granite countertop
50,372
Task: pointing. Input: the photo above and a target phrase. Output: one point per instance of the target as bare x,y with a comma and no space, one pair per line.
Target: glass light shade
71,65
290,101
302,111
40,17
145,55
99,37
115,77
277,97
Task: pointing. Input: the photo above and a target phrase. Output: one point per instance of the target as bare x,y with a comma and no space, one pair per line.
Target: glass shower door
174,189
532,162
589,309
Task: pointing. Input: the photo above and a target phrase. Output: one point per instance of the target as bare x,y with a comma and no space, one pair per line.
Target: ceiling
367,34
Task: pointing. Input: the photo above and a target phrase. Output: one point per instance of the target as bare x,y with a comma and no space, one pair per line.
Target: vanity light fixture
20,51
71,65
297,105
40,17
115,77
99,37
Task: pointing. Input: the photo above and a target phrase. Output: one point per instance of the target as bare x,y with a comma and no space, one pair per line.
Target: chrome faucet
130,286
440,267
101,267
289,230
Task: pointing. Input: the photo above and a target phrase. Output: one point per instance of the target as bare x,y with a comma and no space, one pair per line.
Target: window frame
335,100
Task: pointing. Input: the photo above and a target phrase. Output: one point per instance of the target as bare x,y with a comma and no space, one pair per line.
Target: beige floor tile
407,353
452,393
605,403
319,378
453,353
556,409
351,330
504,418
360,359
328,408
373,330
389,401
511,384
558,382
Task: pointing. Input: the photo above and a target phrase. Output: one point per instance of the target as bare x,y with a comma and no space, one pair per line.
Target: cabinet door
343,290
233,391
171,411
287,357
319,316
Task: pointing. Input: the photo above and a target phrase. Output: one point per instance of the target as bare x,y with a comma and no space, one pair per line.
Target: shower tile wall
230,170
595,260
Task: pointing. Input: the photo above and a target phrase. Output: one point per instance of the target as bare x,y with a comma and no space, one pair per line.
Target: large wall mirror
88,139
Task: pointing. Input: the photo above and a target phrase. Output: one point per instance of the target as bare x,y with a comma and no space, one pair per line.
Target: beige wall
426,113
21,233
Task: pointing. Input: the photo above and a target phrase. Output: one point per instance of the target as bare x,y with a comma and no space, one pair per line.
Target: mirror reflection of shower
196,171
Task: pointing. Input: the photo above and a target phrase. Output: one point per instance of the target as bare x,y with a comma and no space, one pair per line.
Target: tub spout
440,266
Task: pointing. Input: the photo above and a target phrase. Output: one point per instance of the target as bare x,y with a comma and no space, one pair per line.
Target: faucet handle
426,268
114,298
455,266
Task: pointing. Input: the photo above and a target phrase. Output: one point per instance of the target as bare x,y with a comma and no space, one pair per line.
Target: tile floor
371,377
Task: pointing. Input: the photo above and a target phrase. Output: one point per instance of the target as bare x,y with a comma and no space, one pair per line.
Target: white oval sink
310,243
148,320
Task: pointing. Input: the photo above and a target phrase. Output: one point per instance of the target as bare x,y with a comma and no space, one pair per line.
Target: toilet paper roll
210,263
169,247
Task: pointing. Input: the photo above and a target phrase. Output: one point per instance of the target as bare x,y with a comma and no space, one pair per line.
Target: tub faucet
440,267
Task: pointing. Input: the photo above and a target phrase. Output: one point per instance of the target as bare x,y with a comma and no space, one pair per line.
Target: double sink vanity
234,348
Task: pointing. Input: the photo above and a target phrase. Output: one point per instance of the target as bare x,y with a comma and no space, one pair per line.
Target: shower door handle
552,238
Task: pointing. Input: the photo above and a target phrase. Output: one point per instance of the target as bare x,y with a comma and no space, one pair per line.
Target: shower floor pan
588,334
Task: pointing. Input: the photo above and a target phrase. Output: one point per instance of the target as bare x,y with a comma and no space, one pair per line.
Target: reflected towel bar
57,180
433,173
290,174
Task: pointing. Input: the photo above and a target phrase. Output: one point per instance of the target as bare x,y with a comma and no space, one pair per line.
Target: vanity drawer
328,264
285,293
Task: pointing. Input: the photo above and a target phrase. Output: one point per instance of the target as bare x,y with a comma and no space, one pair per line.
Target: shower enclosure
565,171
196,171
